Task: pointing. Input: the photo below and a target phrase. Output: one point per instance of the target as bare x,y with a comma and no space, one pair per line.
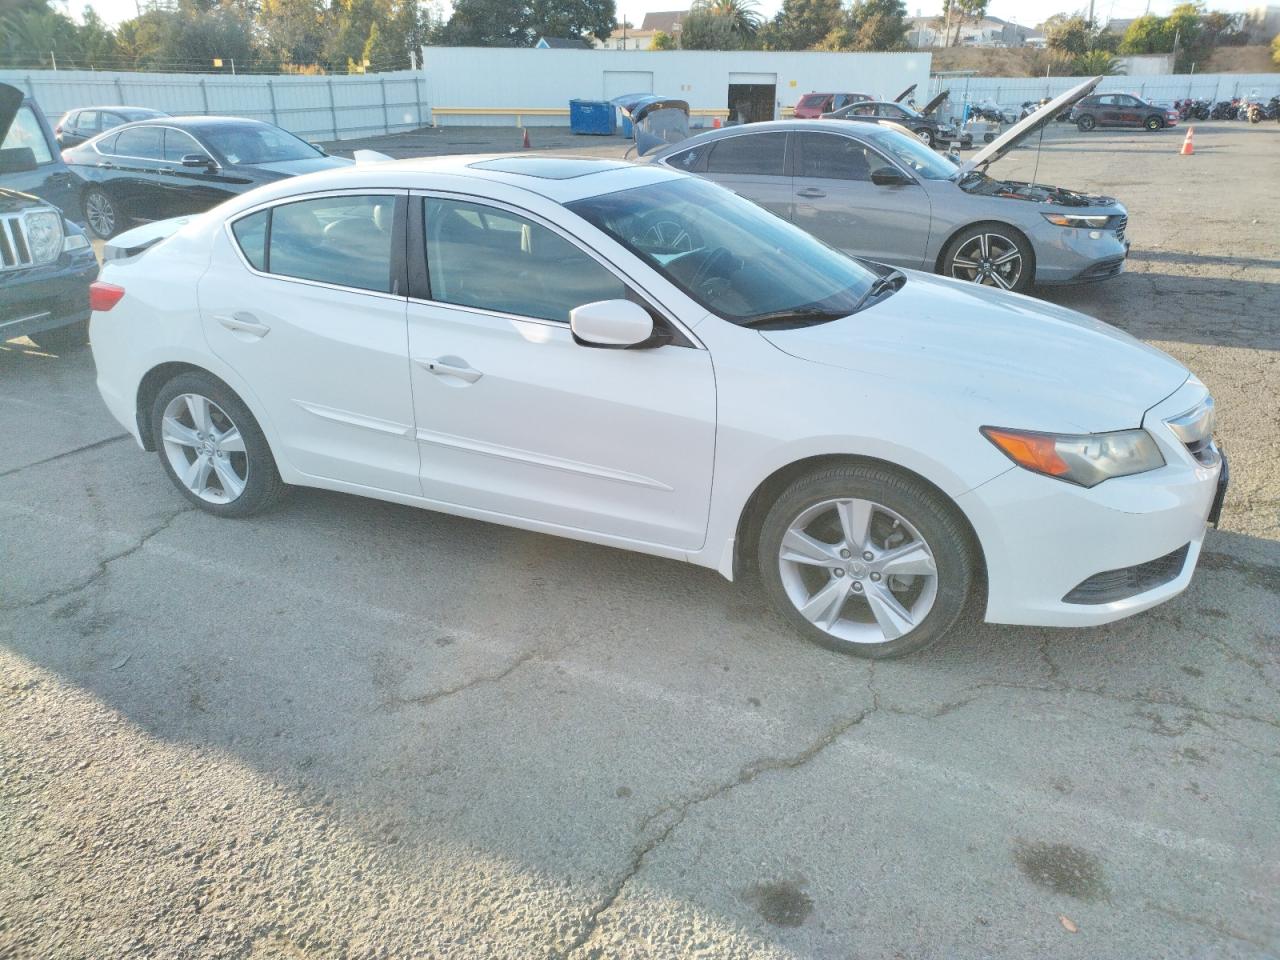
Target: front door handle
811,192
451,367
242,322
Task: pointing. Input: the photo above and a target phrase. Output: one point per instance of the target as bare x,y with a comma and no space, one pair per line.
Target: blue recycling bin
591,117
626,126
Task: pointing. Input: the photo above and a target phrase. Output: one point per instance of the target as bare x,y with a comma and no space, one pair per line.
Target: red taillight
104,296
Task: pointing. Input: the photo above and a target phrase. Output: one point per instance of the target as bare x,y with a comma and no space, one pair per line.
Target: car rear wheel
212,447
990,254
926,136
866,560
1086,123
1153,123
102,214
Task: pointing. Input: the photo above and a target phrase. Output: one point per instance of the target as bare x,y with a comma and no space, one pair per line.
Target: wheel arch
153,382
999,224
747,533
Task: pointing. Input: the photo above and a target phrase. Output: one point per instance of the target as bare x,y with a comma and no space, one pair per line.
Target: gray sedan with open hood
876,192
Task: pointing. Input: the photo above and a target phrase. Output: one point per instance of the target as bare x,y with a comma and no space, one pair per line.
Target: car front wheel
212,447
102,214
1086,123
866,560
926,137
1154,123
992,255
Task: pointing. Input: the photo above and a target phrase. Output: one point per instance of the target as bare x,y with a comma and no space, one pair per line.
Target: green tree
293,31
662,41
502,23
703,30
1096,63
1275,49
870,25
802,24
741,15
1068,34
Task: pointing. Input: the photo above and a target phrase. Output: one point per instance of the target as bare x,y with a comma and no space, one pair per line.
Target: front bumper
45,297
1077,255
1044,539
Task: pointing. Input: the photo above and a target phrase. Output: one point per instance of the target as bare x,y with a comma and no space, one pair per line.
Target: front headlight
1084,459
74,241
44,235
1071,220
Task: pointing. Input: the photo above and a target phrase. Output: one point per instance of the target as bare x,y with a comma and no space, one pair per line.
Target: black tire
103,214
926,136
62,339
1007,238
935,518
1154,123
1086,123
263,488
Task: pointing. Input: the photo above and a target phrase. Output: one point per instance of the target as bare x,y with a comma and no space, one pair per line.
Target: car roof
856,128
121,108
198,122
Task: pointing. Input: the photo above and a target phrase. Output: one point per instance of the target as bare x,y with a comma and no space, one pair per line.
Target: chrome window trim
653,302
393,192
158,126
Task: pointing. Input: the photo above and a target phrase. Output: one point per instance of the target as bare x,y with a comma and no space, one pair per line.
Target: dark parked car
43,174
85,123
919,122
1121,110
814,105
157,169
46,262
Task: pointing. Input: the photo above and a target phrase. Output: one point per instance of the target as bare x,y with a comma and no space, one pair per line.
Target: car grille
15,254
1103,269
1112,585
1122,224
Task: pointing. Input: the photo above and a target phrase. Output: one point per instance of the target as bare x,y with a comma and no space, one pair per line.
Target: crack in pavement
680,811
426,699
103,565
67,453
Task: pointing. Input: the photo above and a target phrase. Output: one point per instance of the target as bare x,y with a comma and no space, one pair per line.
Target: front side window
911,153
146,143
734,258
257,143
26,131
761,154
178,145
492,259
345,241
833,157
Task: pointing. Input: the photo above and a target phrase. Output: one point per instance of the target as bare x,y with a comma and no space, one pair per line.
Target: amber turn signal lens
1037,452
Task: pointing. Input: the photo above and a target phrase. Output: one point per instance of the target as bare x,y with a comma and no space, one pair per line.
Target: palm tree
742,15
1095,63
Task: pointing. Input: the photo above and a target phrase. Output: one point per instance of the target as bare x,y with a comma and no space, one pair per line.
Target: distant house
641,38
1121,26
1261,23
927,32
561,43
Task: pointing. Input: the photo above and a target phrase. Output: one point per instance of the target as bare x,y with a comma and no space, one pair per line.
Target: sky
1028,12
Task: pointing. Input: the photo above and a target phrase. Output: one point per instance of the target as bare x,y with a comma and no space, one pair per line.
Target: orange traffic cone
715,123
1189,144
526,138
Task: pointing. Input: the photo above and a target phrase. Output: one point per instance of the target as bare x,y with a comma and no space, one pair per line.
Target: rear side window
86,123
762,154
345,241
27,132
146,143
251,235
694,158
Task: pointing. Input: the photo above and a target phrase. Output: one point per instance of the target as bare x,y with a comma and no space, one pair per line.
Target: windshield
257,144
731,256
914,155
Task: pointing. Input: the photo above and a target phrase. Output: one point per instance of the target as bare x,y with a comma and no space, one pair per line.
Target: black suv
1121,110
46,261
85,123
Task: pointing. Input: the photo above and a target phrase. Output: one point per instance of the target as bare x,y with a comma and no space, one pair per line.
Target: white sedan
636,357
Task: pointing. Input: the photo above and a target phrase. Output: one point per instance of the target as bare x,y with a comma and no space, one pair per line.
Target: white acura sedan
636,357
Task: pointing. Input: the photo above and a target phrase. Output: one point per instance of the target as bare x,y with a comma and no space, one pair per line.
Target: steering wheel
720,257
668,234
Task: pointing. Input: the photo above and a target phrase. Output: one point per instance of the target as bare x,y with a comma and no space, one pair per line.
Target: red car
814,105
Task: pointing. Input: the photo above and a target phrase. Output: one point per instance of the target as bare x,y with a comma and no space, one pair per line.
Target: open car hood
936,102
906,93
1002,144
10,101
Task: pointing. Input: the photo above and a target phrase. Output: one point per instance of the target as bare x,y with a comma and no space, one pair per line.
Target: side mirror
199,160
612,325
889,177
18,160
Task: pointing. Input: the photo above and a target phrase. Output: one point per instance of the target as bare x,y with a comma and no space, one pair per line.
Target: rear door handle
244,323
442,368
811,192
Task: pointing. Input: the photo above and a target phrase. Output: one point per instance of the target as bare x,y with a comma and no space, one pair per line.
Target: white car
632,356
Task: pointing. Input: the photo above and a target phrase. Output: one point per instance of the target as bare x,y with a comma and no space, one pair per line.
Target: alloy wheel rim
925,137
100,213
989,259
858,571
205,448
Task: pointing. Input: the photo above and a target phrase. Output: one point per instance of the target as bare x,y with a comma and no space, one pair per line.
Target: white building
503,86
928,32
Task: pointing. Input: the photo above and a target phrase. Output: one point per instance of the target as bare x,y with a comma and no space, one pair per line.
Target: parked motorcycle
1272,111
1255,113
1225,110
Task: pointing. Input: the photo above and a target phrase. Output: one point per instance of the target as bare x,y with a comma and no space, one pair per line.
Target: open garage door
618,82
752,97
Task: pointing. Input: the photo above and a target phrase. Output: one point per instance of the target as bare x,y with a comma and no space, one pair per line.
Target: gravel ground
352,729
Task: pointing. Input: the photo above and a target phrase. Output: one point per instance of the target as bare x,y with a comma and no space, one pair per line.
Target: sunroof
548,168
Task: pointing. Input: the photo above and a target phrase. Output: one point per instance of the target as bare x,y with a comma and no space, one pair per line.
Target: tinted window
145,142
110,120
862,112
893,112
480,256
87,122
761,154
178,145
692,159
251,234
257,143
833,157
107,144
340,240
814,100
27,132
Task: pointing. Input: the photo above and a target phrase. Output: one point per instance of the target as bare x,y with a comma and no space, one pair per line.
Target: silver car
877,192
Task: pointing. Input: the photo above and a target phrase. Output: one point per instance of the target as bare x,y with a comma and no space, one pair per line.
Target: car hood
10,100
11,201
1033,365
296,168
1025,127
